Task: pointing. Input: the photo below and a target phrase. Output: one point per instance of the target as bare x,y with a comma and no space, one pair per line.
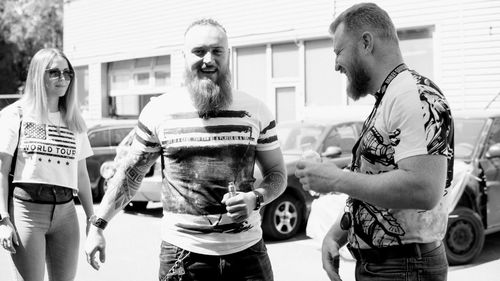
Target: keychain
231,189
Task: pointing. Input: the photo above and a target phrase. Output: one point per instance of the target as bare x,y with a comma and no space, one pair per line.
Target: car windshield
293,135
467,133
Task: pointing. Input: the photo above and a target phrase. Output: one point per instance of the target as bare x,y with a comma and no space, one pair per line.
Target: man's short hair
205,21
364,16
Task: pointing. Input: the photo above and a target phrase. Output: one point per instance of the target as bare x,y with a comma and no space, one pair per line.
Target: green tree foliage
26,26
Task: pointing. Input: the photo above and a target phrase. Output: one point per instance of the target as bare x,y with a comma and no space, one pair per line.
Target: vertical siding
107,30
467,44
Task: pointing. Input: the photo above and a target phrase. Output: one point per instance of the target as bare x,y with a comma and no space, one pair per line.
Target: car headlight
108,169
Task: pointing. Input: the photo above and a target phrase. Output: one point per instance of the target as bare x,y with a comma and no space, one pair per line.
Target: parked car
475,205
104,136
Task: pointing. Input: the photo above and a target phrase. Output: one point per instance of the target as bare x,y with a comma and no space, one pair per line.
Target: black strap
356,150
14,156
378,96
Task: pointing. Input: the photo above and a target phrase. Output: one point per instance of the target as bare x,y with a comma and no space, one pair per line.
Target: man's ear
367,41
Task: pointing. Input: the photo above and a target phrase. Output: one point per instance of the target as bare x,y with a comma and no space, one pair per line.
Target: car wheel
283,217
464,238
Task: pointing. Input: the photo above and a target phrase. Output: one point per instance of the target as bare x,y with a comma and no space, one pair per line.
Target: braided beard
209,97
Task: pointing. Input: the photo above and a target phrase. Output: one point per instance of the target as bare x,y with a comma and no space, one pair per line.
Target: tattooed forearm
128,177
274,184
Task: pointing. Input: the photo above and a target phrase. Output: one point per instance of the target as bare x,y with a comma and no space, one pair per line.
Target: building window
252,71
285,60
285,104
322,83
161,78
133,82
143,76
141,79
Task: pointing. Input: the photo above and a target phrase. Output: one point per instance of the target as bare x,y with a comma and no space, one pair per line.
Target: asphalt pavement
133,241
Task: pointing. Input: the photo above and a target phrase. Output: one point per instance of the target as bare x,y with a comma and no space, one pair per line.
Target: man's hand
239,206
8,236
95,243
316,176
330,257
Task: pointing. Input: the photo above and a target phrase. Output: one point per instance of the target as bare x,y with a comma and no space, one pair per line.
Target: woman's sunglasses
56,73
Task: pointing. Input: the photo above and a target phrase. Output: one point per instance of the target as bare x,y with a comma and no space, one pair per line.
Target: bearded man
402,166
210,136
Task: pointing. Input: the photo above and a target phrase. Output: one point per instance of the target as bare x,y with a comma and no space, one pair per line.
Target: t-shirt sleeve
9,124
84,149
406,125
146,138
268,138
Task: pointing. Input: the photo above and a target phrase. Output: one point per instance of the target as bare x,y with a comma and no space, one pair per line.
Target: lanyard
356,150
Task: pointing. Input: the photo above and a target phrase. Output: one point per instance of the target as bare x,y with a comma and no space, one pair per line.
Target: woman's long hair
35,95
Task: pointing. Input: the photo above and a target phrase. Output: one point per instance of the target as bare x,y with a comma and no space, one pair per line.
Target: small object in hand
232,189
308,153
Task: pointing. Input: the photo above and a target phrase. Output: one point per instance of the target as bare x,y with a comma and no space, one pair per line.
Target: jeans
250,264
433,266
48,234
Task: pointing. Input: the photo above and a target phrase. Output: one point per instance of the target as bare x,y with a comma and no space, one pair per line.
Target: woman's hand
8,236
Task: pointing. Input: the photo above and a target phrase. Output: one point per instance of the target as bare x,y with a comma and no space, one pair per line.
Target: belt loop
419,252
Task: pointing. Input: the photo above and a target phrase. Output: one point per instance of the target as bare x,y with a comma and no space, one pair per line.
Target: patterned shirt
411,117
201,156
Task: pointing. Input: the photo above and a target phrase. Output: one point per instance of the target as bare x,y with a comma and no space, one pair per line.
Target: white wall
466,38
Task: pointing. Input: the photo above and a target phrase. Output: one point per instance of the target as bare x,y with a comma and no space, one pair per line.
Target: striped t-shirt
201,156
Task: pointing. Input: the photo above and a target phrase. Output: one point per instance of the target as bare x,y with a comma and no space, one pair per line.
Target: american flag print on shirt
53,142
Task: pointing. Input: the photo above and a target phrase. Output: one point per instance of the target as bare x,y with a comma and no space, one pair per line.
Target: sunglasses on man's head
56,73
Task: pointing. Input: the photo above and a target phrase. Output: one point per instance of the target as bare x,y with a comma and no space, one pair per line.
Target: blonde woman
38,220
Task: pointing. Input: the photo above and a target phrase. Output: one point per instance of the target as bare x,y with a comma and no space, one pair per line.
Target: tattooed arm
121,188
272,165
125,182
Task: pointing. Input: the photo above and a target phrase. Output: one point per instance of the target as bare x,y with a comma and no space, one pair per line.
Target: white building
126,51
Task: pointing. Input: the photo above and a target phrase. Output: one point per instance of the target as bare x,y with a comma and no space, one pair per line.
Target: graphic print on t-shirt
201,160
378,227
49,143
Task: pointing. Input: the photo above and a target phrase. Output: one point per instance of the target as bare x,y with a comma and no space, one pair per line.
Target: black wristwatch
98,222
259,199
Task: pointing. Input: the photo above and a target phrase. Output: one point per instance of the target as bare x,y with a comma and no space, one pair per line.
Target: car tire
283,217
464,238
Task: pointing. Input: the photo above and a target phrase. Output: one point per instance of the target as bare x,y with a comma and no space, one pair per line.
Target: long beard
209,97
359,81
